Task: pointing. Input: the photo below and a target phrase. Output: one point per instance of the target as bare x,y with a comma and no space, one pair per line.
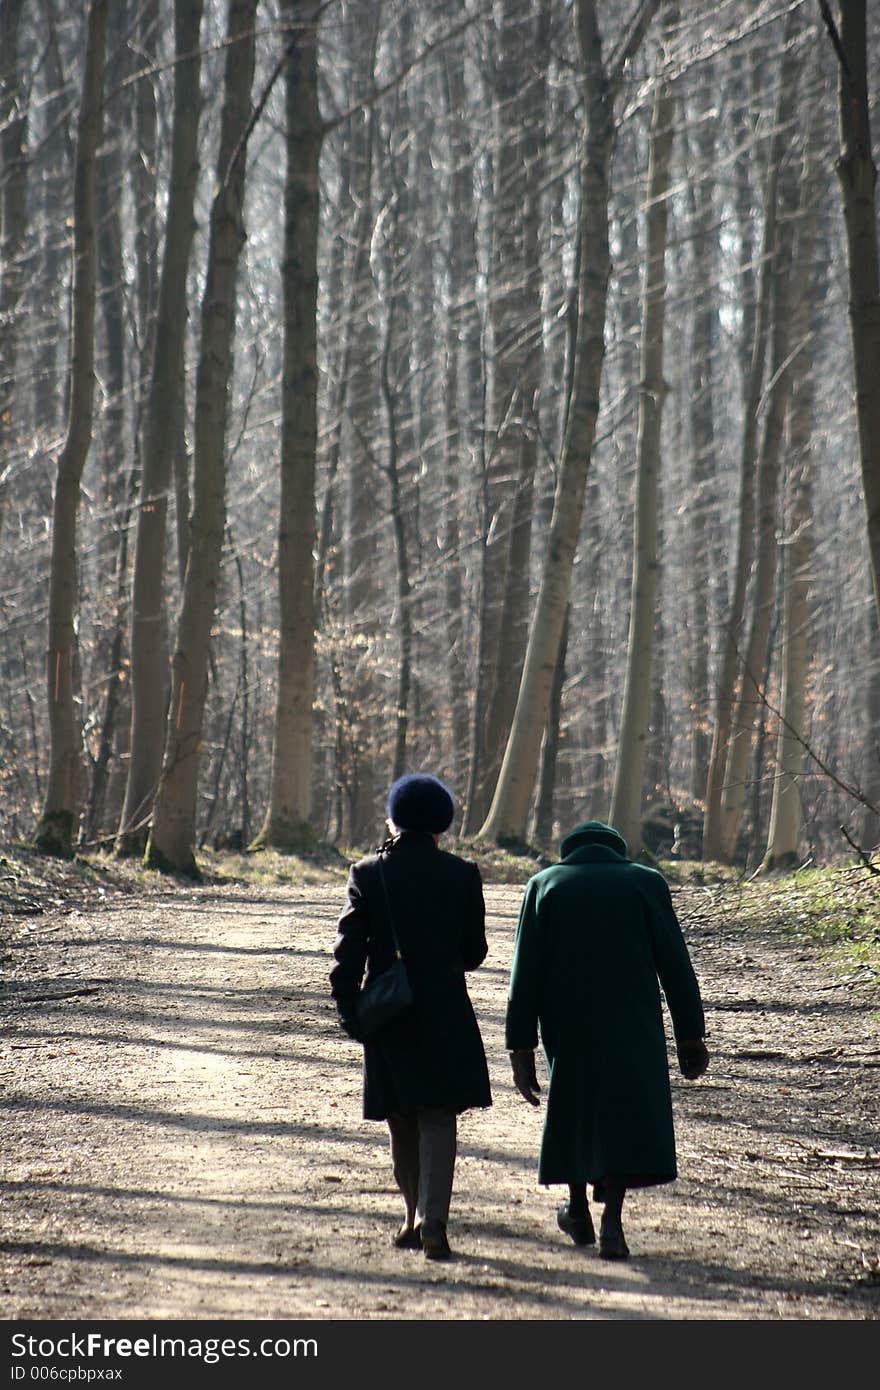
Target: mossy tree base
55,834
131,844
780,863
155,859
287,837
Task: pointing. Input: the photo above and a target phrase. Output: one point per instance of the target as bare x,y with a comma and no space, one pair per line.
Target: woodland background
344,346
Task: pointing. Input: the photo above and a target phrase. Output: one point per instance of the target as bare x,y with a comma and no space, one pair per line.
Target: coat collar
594,854
412,840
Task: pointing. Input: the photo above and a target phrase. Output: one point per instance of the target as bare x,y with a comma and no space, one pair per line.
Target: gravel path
182,1134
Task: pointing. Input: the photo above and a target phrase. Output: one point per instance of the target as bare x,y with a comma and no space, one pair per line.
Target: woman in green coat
597,938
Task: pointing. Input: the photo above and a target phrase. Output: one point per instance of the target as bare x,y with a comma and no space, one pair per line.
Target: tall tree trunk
545,817
508,814
288,819
112,544
515,305
704,464
143,179
459,390
13,222
858,178
754,657
355,703
55,831
172,837
626,797
725,685
116,723
870,827
56,166
163,428
390,257
798,637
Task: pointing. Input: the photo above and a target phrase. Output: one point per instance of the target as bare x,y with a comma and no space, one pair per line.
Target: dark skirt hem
620,1179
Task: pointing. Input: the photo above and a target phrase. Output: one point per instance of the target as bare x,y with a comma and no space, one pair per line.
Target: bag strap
397,951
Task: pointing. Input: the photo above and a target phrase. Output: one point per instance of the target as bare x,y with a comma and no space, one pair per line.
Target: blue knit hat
420,801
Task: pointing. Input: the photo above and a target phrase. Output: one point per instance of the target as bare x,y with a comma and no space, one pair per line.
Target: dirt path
182,1138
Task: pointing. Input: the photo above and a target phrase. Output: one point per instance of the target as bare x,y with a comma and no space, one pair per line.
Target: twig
863,854
855,792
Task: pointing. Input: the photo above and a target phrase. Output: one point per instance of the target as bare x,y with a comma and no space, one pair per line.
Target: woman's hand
522,1062
693,1058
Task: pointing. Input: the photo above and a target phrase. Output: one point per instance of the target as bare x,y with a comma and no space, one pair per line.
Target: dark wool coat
432,1055
595,932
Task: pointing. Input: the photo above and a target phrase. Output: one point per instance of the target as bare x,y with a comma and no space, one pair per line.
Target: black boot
612,1241
573,1217
434,1242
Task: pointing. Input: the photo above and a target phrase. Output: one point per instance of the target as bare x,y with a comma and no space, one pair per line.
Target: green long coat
597,936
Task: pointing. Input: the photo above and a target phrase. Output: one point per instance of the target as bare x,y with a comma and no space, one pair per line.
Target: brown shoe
434,1242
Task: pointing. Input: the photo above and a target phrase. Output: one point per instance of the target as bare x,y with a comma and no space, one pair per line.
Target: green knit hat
593,832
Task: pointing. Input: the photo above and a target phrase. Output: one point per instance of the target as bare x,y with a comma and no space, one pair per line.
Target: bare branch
383,88
825,11
863,855
631,39
850,790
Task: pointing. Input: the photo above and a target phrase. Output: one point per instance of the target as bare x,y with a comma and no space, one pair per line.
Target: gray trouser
423,1155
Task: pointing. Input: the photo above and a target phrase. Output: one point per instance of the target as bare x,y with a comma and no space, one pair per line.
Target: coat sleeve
674,968
350,954
474,947
521,1026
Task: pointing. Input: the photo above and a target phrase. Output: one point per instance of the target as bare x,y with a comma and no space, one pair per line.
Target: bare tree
287,824
858,179
13,221
172,835
163,423
508,813
759,325
626,799
55,831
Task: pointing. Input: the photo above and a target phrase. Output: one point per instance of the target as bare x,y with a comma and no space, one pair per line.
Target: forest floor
182,1132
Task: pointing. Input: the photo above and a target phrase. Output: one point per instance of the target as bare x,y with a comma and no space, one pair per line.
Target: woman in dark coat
597,938
424,1067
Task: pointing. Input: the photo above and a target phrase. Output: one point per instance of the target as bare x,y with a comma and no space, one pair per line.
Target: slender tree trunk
858,178
754,658
112,546
462,383
518,351
626,798
56,165
163,429
288,818
388,270
725,686
508,814
13,222
870,828
704,464
545,818
355,704
116,722
55,831
172,837
143,179
798,636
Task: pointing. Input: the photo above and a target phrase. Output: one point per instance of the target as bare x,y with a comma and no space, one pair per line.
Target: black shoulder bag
390,993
